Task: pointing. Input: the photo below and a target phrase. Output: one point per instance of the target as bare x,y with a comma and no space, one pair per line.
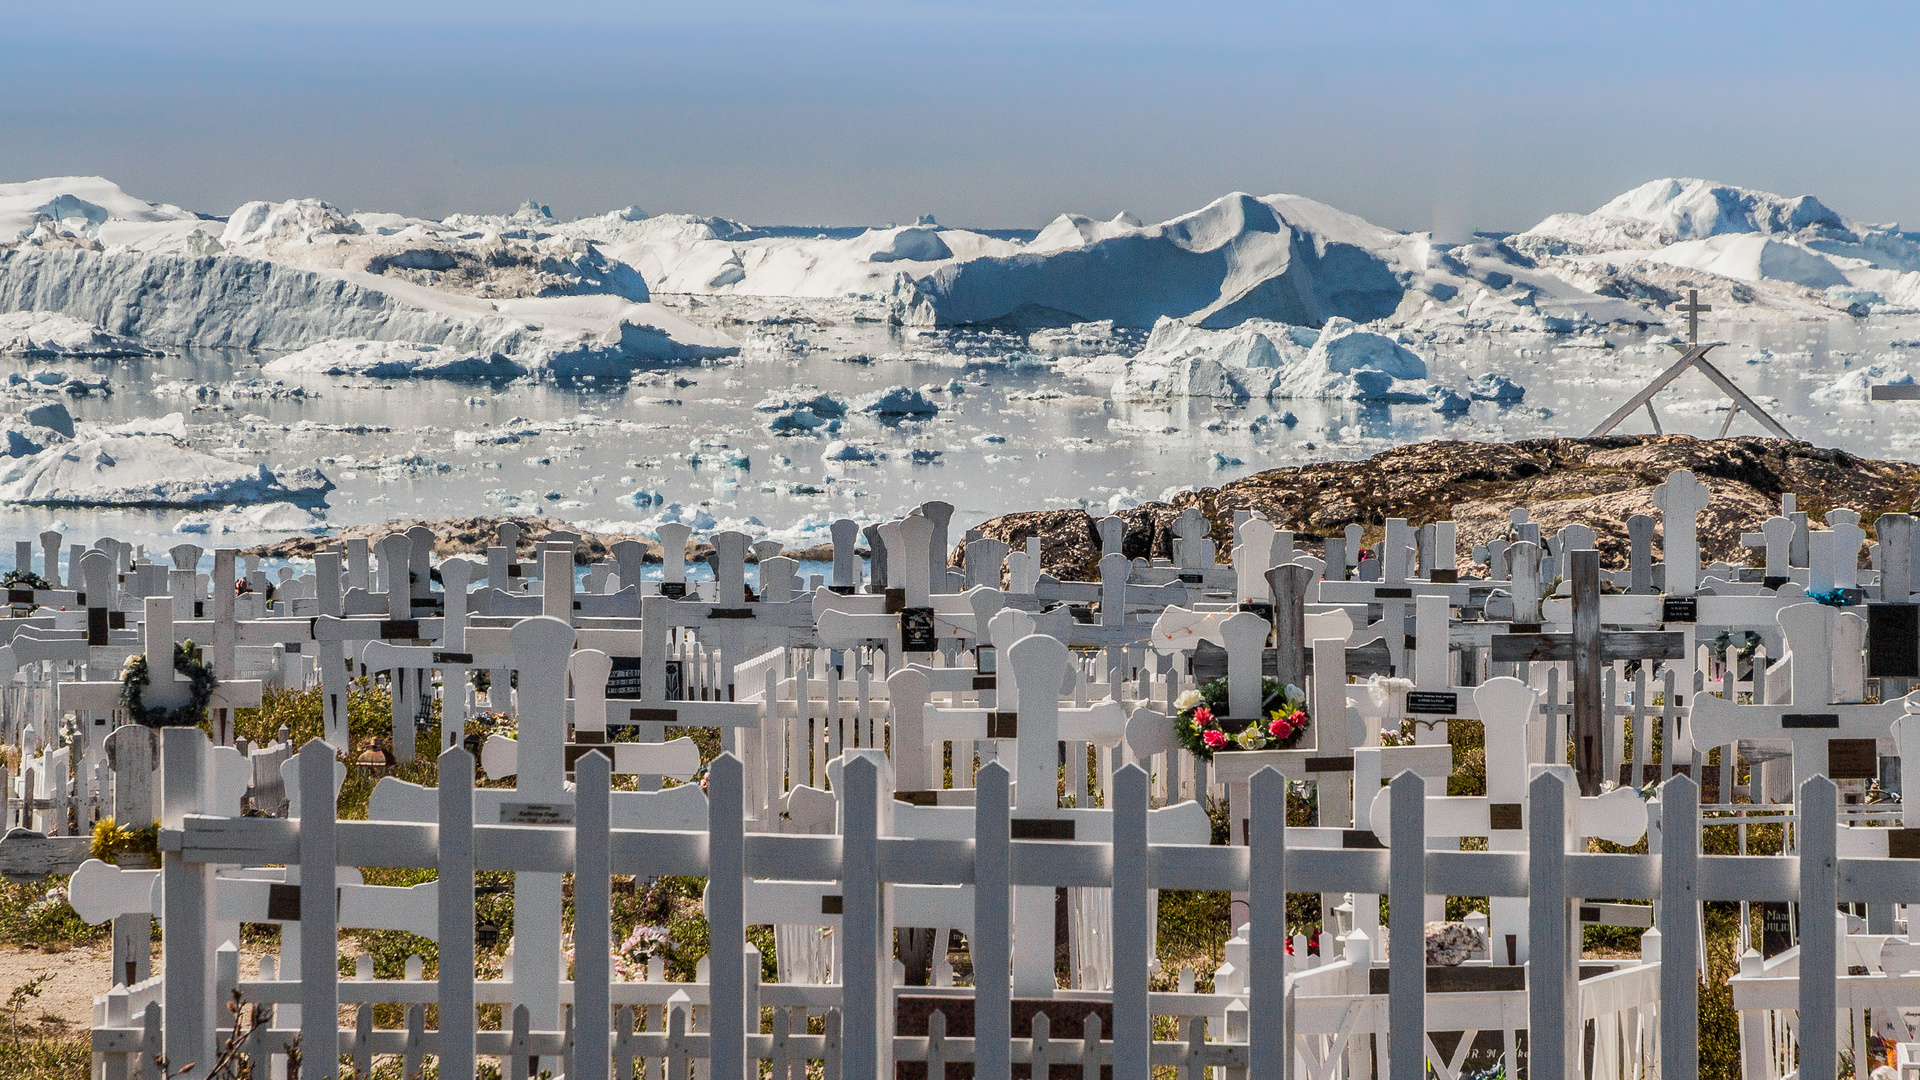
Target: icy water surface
1011,435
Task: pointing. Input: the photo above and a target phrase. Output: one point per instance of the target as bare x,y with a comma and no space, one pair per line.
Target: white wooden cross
1818,715
1508,708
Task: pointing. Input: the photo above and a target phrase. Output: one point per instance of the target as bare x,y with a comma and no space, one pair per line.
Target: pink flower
1215,739
1280,729
1203,716
1298,719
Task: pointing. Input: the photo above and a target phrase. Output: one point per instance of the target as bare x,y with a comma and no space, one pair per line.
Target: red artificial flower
1280,729
1215,739
1298,719
1203,716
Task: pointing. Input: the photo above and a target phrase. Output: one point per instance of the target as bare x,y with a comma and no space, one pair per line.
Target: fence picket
592,915
1406,948
1679,912
1132,920
455,986
1268,1036
992,939
1819,939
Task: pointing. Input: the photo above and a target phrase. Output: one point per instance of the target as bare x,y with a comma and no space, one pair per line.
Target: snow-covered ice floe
393,360
49,335
142,463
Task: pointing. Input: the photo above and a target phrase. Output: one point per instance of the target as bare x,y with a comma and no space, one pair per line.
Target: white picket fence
1312,1021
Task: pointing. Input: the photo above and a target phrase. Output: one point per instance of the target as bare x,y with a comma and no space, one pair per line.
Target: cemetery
1434,796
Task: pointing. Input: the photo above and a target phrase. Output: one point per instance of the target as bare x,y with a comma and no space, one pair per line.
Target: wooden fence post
1407,949
1553,985
1679,941
455,1043
860,921
1819,939
992,942
319,915
726,909
1269,1049
1132,922
187,952
592,917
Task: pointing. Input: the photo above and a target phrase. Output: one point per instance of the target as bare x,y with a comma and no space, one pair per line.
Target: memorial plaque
1903,843
676,680
283,902
1265,611
1893,641
117,620
730,613
1444,577
985,660
1852,759
399,629
1680,609
1777,924
986,682
518,813
1003,725
623,678
676,590
832,904
1392,592
96,626
1192,579
896,600
1328,764
461,658
917,633
1506,815
653,716
1433,702
1772,584
1809,720
1042,828
1360,839
19,596
843,590
917,798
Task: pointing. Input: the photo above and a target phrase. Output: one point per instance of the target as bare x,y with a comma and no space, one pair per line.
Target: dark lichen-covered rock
1600,482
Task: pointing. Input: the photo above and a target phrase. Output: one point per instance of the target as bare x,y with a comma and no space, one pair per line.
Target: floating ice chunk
1492,387
842,450
146,470
1448,401
675,514
1856,387
645,498
1122,500
51,334
897,401
51,415
1224,461
393,360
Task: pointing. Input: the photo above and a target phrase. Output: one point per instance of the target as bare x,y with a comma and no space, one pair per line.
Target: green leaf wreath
24,579
135,677
1282,724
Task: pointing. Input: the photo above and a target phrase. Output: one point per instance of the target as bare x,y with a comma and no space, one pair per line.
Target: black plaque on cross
1589,649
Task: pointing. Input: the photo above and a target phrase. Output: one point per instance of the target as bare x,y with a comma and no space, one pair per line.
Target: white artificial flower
1187,701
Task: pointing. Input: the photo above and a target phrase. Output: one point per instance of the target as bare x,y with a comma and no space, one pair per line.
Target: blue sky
1448,117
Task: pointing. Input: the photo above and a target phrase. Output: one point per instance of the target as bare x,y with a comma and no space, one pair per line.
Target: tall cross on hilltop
1693,354
1693,309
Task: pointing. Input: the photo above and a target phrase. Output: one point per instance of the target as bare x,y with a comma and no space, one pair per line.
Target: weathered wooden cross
1588,649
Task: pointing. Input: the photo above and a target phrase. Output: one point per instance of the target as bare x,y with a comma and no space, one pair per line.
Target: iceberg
50,335
393,360
1261,360
107,468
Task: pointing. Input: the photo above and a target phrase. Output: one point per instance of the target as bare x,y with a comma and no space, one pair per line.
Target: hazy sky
1448,116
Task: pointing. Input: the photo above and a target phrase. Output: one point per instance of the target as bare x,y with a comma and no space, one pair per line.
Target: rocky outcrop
1600,482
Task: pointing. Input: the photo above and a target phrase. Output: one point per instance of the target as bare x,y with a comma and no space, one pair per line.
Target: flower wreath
1197,721
135,676
25,579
